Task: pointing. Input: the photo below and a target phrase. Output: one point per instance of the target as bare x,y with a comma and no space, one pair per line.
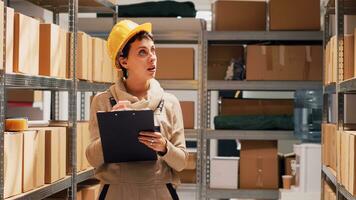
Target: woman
132,49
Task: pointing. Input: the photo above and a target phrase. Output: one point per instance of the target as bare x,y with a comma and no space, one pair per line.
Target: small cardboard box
352,161
86,142
50,47
33,159
219,59
258,165
13,156
188,176
10,17
188,114
97,59
240,15
349,53
349,108
294,15
175,63
107,75
26,44
63,56
91,192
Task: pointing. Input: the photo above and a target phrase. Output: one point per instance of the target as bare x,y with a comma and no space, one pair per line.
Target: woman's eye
142,52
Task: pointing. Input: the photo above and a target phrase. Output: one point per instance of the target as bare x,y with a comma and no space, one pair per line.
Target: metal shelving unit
245,37
19,81
340,8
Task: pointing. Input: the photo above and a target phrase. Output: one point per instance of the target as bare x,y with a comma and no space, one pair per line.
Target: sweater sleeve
94,151
176,155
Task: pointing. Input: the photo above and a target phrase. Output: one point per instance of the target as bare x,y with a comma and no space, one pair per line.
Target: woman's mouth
152,69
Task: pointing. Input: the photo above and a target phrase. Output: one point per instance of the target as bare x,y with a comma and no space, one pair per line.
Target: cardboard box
82,57
13,156
33,159
224,172
338,156
26,44
188,114
329,145
192,161
63,56
2,35
188,176
89,67
91,193
284,62
258,165
256,107
107,75
294,15
49,50
25,96
349,53
175,63
240,15
349,109
352,165
55,156
97,59
10,15
344,159
86,142
219,59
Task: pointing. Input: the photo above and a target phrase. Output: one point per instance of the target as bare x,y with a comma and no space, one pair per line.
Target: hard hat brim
147,27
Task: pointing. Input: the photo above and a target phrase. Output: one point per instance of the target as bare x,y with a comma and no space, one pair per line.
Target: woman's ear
123,62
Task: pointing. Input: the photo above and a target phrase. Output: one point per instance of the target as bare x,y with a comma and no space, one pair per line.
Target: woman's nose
153,56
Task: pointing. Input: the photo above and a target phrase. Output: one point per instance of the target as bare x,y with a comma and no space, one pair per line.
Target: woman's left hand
153,140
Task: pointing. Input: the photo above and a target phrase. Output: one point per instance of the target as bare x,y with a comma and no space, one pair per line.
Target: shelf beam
251,194
264,85
249,135
253,36
329,174
345,193
19,81
348,85
179,84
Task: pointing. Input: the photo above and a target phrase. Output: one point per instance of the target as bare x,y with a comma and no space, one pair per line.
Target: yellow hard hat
121,33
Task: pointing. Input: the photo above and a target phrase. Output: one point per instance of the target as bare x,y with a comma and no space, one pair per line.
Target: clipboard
119,131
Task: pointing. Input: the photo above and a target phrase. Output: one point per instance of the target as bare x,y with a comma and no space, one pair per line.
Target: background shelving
235,37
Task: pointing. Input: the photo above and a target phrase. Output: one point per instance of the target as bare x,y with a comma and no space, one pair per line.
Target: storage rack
12,81
245,37
341,87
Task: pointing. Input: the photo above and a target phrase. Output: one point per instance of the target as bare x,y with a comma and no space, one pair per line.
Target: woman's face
141,61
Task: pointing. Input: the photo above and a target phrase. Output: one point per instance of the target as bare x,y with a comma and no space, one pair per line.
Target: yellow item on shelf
16,124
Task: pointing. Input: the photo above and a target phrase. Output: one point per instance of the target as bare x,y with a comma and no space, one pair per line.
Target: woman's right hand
122,105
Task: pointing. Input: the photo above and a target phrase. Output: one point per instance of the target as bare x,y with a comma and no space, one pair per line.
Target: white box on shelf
308,167
224,172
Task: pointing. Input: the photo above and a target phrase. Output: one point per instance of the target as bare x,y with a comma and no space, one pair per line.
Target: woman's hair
125,51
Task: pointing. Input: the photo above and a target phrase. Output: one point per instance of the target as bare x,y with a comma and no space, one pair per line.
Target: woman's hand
153,140
122,105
